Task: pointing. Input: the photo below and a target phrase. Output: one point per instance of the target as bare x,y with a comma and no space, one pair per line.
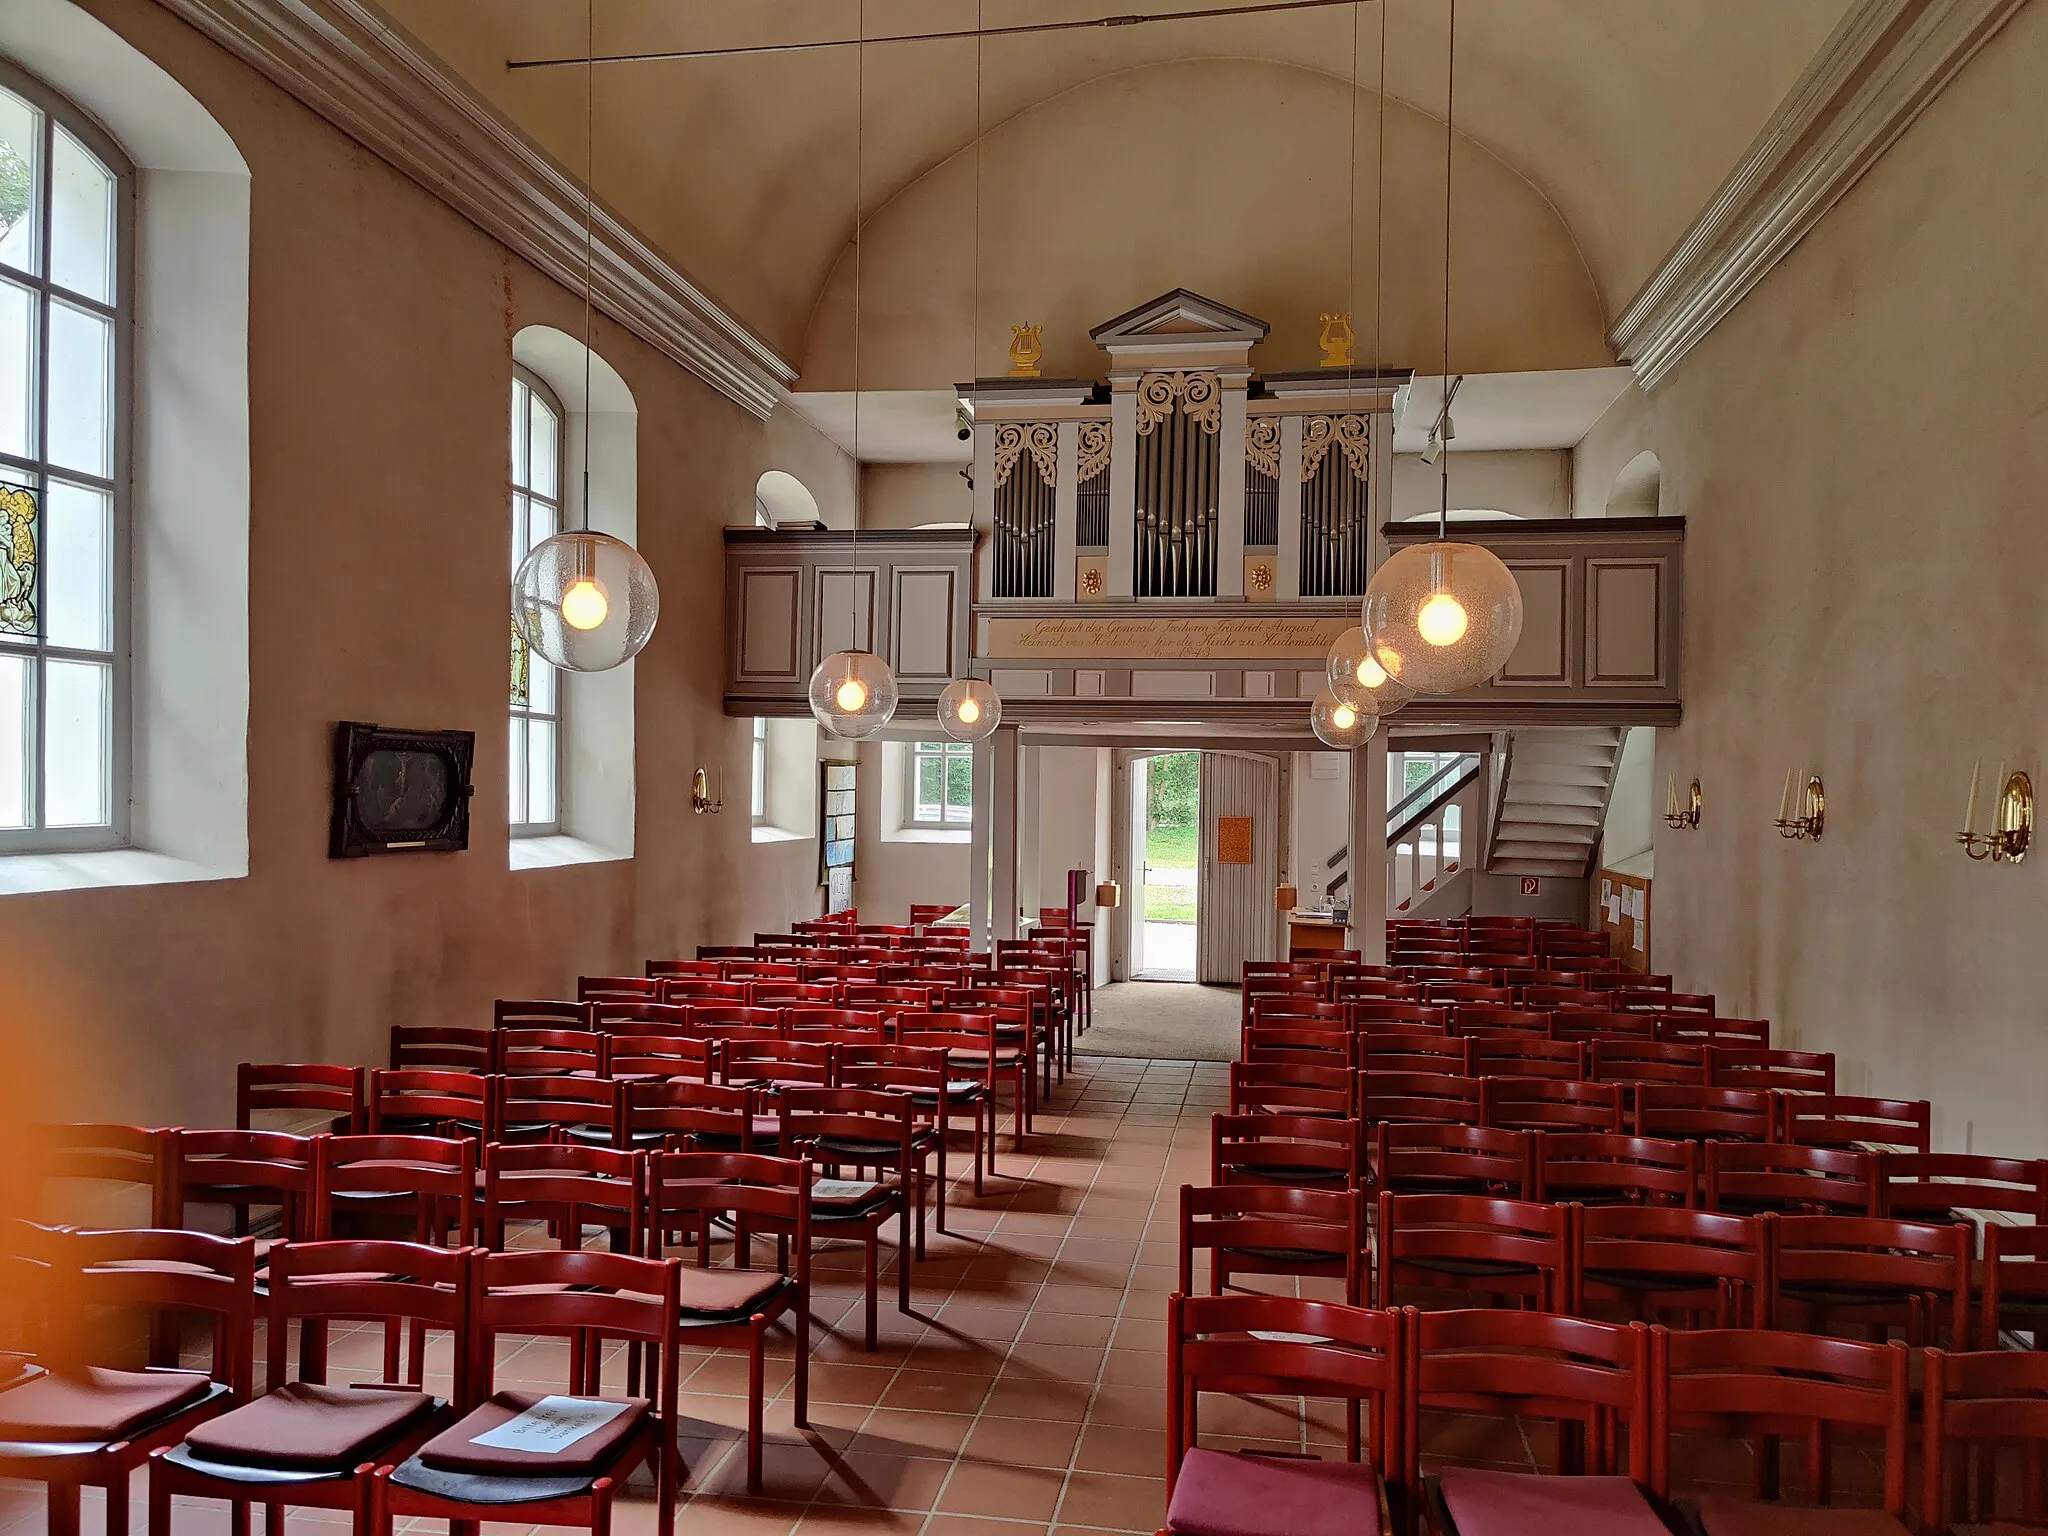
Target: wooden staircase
1553,800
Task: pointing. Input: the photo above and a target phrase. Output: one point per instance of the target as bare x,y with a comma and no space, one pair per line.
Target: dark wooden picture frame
400,791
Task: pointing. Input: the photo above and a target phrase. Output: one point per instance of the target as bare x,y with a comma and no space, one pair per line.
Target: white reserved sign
551,1425
841,1189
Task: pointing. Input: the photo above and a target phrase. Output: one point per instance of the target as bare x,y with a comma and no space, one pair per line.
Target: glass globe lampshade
585,601
969,709
1357,677
1442,617
853,693
1341,724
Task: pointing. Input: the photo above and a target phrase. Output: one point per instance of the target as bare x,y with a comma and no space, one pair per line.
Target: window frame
558,716
757,771
59,111
944,752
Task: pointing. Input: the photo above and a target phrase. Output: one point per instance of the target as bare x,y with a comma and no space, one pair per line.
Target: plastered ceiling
1621,117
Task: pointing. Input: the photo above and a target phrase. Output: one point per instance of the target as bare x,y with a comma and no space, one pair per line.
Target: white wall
1320,819
1529,483
1628,836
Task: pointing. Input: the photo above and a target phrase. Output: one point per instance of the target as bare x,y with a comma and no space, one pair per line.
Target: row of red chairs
1564,1021
1617,1394
1603,1059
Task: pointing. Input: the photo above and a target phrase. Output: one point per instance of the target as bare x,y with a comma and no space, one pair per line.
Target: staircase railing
1426,831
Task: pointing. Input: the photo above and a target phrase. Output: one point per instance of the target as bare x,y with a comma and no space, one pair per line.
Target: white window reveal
536,728
941,788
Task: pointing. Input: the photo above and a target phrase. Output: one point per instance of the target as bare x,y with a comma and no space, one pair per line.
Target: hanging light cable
853,692
970,709
584,600
1444,616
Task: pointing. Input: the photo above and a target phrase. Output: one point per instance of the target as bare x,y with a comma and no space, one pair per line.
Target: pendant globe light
583,600
1357,676
970,710
1444,616
1341,724
853,692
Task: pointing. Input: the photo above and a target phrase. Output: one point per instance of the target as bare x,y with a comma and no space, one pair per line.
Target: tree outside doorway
1172,836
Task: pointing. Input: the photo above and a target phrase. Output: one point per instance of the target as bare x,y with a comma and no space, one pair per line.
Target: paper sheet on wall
551,1425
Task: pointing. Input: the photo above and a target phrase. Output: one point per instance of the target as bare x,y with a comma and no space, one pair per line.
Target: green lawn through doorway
1171,848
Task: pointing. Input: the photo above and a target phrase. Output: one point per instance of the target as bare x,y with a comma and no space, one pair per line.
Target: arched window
536,736
65,291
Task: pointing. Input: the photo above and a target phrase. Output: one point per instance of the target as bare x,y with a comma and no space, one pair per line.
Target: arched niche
779,497
1638,489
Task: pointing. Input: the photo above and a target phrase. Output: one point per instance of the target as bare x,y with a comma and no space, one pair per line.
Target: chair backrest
686,991
749,1062
618,989
1547,996
1499,1019
241,1168
568,1183
1417,1159
1628,1248
435,1047
1772,1176
837,1022
1527,1056
850,1121
1415,1052
1469,992
576,1294
723,1018
660,1055
409,1098
1933,1185
1646,1061
1374,989
1780,1071
1848,1120
670,970
1312,1349
436,1175
1981,1401
1868,1256
1601,1168
1450,1232
306,1091
687,1191
1766,1382
2015,1282
612,1018
1372,1014
149,1270
1540,1365
784,994
366,1279
532,1108
1696,1114
683,1116
1310,1150
1440,1098
532,1052
1258,1087
1548,1104
1704,1029
1597,1024
549,1013
114,1158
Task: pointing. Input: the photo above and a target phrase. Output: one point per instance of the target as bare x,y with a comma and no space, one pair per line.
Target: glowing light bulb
585,605
1344,717
969,711
1442,620
852,696
1370,673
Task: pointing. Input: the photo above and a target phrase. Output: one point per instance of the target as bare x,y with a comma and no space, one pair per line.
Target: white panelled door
1234,900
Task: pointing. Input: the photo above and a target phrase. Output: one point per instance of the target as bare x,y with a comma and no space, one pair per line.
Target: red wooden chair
1701,1029
1766,1385
1599,1168
312,1095
1591,1379
427,1184
1646,1061
734,1021
1873,1270
684,1116
1496,1055
1375,989
1745,1179
552,1013
923,914
664,1055
1497,1019
689,991
618,989
687,1192
1777,1071
241,1170
1683,1112
862,1129
1296,1150
555,1108
81,1424
568,1186
574,1294
1940,1186
1422,1159
792,994
520,1051
308,1443
1245,1345
411,1101
892,999
433,1048
838,1025
1269,1229
100,1175
774,1064
670,970
2015,1284
1303,1047
1847,1120
1593,1024
1546,1104
1974,1406
1463,992
1283,1088
920,1072
790,970
1415,1052
1435,1098
975,1051
1636,1259
637,1017
1473,1244
1658,1000
1550,995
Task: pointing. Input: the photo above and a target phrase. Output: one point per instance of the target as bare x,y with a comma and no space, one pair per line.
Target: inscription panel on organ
1163,638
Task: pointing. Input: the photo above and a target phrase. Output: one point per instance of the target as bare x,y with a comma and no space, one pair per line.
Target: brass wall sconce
2012,819
700,795
1689,816
1812,816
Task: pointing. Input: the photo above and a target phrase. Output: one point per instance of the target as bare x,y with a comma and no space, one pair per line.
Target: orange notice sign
1233,839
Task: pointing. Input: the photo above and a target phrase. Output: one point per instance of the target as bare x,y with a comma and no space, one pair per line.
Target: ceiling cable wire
1443,521
589,229
1024,29
860,123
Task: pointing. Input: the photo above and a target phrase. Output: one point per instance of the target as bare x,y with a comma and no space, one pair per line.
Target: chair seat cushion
842,1199
1728,1515
728,1293
455,1448
101,1405
303,1427
1485,1503
1220,1494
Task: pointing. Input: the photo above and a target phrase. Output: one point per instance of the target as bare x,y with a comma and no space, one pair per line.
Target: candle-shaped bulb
1998,799
1671,795
1970,815
1785,800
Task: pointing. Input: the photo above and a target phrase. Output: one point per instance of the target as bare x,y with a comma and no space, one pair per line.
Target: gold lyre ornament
1336,340
1025,351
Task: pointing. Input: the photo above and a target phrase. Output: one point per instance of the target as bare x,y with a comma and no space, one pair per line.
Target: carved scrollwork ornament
1198,395
1350,435
1262,445
1013,440
1094,450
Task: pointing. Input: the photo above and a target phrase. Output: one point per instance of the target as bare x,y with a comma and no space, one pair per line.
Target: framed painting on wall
839,790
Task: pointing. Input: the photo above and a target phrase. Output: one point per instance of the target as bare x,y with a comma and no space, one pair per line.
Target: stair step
1554,868
1583,805
1535,848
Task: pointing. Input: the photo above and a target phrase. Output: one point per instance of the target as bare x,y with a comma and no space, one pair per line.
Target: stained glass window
536,733
64,284
942,783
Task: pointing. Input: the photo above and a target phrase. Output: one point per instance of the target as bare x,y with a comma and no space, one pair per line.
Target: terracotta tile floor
1027,1393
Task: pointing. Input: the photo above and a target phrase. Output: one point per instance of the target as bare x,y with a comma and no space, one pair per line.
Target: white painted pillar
1123,490
1230,494
1031,874
1002,880
979,842
1368,839
1379,497
1066,511
984,506
1288,589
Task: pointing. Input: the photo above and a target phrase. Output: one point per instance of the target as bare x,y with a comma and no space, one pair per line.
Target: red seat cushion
303,1427
1724,1515
454,1450
1487,1503
728,1292
1218,1494
100,1405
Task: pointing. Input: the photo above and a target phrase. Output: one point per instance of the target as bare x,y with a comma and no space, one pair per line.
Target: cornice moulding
371,80
1885,61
